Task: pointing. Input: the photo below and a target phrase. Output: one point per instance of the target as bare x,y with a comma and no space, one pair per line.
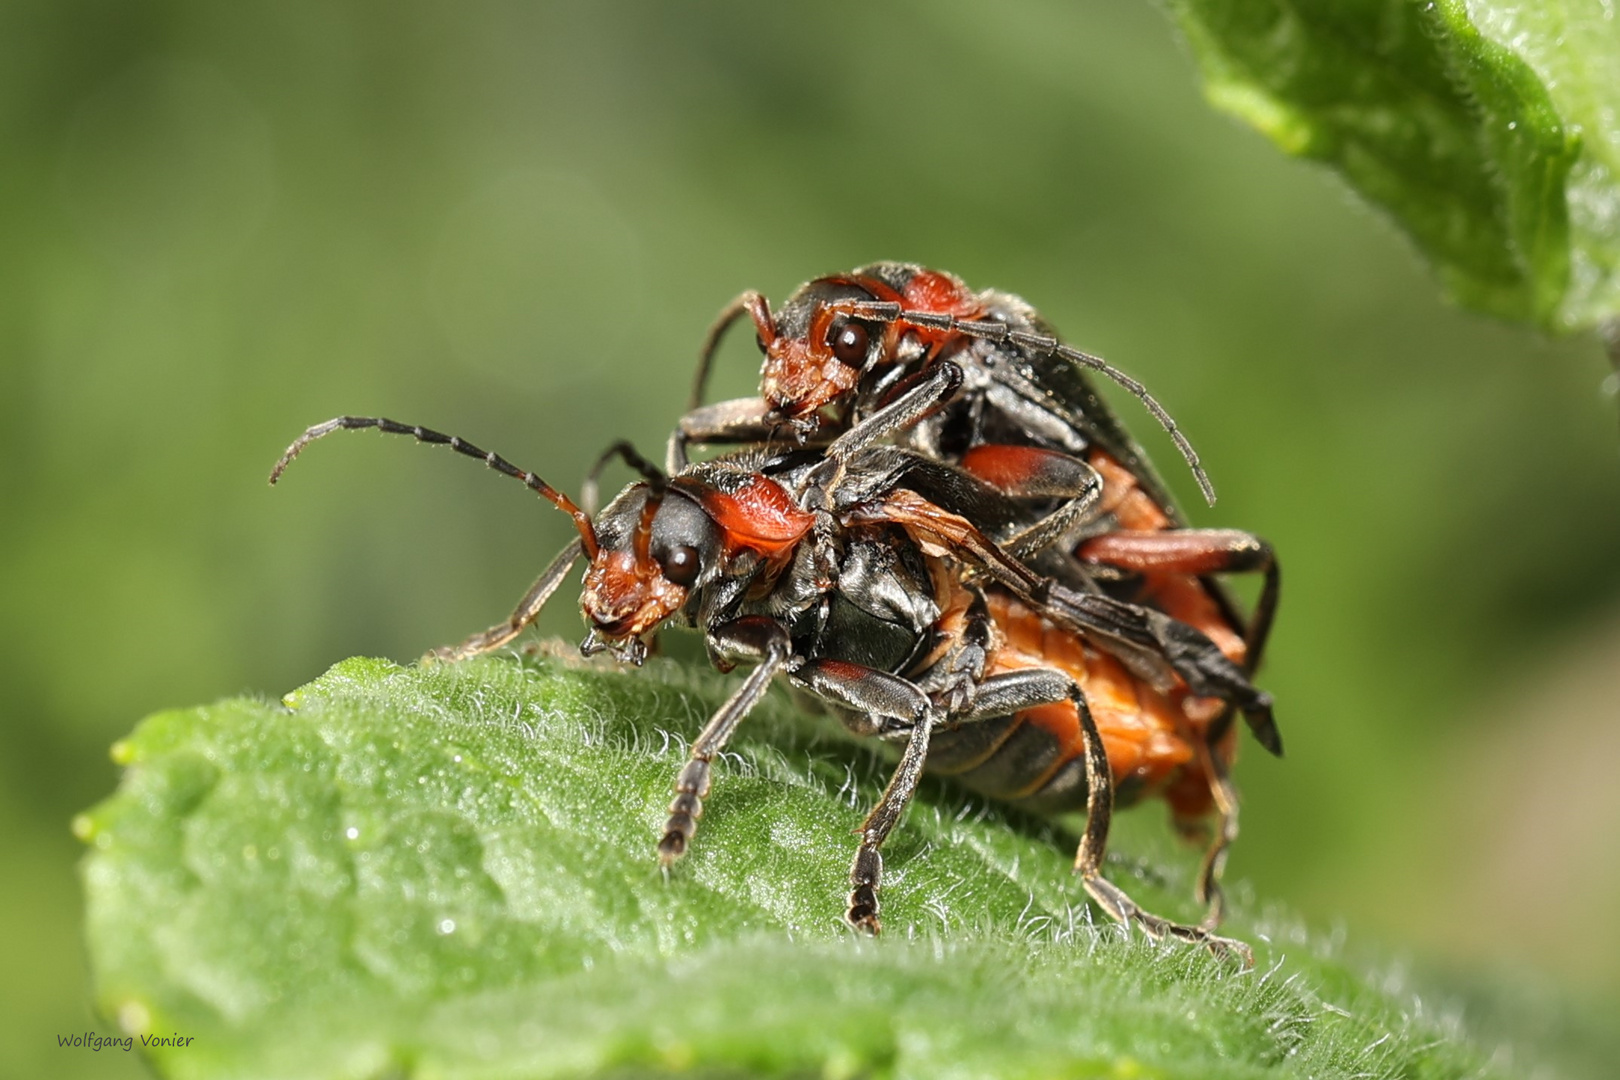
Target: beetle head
656,548
814,353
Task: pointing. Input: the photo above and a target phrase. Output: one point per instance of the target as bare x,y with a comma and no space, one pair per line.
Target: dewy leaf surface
1487,129
447,872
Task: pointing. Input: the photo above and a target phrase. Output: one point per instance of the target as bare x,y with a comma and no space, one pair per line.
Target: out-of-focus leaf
447,872
1574,47
1488,129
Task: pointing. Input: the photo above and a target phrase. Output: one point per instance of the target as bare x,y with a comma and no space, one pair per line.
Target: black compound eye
681,565
849,343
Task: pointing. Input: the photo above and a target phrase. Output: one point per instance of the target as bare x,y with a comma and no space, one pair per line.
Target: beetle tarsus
1112,899
864,876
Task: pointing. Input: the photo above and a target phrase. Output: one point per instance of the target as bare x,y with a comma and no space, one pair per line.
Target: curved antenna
621,449
750,303
656,481
1002,334
1052,346
582,520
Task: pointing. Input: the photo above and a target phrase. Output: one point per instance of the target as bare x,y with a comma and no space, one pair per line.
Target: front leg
1035,472
527,611
821,486
754,638
888,704
740,420
992,480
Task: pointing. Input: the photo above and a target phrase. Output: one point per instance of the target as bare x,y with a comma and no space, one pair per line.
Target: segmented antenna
750,303
588,491
656,480
582,520
1002,334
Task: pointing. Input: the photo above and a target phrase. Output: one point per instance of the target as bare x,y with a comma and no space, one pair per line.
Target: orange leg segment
1196,552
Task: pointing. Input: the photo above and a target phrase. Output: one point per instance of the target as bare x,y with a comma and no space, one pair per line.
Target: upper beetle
977,379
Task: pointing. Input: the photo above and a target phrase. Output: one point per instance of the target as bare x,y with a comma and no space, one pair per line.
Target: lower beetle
915,628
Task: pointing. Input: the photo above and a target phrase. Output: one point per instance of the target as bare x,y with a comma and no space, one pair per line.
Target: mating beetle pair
966,556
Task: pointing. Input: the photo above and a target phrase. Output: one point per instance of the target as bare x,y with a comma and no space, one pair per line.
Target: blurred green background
221,223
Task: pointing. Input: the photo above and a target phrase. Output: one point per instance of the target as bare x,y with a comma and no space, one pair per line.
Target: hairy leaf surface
1488,129
447,871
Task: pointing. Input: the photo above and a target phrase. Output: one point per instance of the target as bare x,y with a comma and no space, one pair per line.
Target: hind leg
1012,692
1208,890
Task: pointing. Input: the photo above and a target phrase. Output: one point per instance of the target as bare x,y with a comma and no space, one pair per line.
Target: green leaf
1488,129
447,872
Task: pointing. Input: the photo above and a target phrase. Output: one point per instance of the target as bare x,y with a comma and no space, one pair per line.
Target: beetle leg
1015,691
740,420
527,610
750,303
1208,890
737,421
1088,864
1011,692
934,390
876,696
1199,552
990,487
953,678
937,387
751,638
879,704
867,871
1027,472
624,451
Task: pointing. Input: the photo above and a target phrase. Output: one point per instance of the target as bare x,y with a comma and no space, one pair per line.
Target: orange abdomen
1036,757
